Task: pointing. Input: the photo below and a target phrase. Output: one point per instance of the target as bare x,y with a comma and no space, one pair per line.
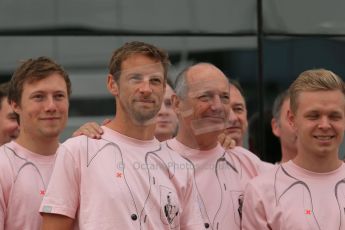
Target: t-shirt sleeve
251,165
62,195
2,196
2,206
6,178
253,213
191,216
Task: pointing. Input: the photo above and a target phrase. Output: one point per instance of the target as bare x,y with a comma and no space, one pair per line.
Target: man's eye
312,116
168,103
59,96
238,109
38,97
225,98
135,77
156,81
204,97
336,117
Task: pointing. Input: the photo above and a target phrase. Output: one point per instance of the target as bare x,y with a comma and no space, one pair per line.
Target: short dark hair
237,85
3,92
33,70
137,47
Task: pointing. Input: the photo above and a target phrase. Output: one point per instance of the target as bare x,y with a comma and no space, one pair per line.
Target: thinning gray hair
278,103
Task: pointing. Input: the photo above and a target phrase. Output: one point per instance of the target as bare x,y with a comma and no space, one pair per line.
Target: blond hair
314,80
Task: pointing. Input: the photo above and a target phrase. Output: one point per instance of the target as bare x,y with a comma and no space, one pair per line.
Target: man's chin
214,128
234,131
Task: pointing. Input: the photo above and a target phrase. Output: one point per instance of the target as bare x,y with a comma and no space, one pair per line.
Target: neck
130,129
163,137
317,164
288,154
239,142
41,146
201,142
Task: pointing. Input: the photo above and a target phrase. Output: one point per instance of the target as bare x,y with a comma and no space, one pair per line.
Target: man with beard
126,179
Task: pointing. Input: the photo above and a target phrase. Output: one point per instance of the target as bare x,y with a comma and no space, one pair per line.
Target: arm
2,208
6,180
56,222
61,200
226,141
91,129
253,213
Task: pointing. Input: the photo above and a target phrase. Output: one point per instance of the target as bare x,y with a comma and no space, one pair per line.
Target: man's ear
112,85
15,107
291,119
275,127
175,103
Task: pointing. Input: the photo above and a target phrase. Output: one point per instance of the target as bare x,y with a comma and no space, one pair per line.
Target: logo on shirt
240,205
119,174
170,208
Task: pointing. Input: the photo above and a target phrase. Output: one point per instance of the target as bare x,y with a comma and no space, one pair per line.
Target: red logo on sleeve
119,174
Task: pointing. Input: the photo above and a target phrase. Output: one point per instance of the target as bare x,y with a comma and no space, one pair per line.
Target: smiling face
238,122
205,109
43,108
140,88
319,122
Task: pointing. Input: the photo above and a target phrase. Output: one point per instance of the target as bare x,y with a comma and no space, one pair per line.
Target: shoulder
266,181
7,163
248,158
81,143
170,155
244,155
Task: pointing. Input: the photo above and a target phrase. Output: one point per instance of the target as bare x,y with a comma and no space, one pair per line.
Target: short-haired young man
308,191
39,93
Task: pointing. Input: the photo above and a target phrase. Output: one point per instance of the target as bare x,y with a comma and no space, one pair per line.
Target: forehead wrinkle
156,68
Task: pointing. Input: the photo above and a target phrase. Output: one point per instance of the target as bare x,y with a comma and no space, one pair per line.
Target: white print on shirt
155,173
225,172
303,197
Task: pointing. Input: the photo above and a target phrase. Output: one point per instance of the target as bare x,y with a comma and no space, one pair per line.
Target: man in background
281,127
9,128
166,120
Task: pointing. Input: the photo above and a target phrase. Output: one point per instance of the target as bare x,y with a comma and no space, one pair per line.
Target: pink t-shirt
220,176
24,176
122,183
290,197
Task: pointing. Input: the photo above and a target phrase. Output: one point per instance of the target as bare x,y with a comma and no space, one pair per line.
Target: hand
226,141
90,129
